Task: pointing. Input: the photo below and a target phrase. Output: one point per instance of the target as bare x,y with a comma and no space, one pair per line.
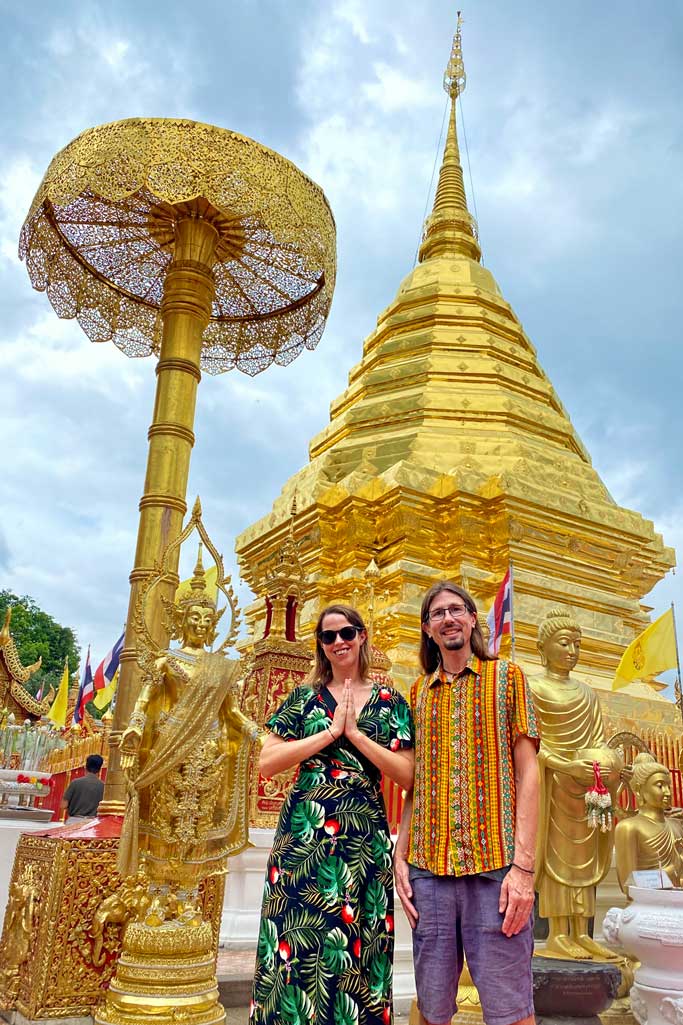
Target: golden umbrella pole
185,309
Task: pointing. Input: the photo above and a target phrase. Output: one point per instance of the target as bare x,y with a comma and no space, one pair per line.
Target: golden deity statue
652,839
185,753
573,850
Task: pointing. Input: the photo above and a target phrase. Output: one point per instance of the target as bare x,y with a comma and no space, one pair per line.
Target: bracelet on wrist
527,871
330,733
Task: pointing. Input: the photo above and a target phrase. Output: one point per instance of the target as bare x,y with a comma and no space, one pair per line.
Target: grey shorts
459,917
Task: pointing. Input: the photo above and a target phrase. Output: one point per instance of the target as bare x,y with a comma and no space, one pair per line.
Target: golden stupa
450,454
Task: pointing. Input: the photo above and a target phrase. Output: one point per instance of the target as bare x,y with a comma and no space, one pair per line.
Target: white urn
650,929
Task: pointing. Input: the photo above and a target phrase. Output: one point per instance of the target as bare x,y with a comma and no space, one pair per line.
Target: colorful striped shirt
464,796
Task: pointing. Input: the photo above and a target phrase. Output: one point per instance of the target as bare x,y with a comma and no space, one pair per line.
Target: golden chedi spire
450,454
451,229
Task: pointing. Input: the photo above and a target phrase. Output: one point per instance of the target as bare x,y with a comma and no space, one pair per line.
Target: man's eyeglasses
347,633
454,611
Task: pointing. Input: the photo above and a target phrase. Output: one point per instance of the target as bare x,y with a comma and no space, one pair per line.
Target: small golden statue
652,839
130,900
24,895
185,753
580,775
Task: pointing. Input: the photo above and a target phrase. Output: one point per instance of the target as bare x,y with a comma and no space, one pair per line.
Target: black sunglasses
347,633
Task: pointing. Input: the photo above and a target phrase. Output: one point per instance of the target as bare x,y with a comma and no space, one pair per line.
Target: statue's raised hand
129,747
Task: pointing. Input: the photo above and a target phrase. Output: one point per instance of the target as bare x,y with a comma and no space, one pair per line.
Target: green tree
37,634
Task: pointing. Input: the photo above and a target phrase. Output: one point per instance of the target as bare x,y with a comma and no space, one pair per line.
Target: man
83,795
464,859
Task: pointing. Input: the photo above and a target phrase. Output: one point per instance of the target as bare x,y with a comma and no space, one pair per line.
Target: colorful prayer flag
106,695
57,713
106,670
652,651
499,619
86,692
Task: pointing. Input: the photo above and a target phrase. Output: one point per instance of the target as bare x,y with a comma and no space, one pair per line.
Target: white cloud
395,91
115,53
355,15
19,180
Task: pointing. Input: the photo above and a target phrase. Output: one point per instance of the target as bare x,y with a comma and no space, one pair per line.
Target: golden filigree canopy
99,239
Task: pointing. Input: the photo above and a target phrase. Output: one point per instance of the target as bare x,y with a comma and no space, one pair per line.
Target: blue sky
575,141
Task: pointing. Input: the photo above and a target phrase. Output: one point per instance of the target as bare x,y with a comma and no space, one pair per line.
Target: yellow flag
650,653
58,707
210,579
104,696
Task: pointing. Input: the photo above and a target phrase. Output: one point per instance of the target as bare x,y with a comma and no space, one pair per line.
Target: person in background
83,795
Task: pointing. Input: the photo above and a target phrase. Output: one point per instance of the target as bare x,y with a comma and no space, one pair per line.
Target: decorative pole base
166,974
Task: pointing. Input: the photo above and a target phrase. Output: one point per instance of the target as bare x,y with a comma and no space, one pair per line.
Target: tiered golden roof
450,453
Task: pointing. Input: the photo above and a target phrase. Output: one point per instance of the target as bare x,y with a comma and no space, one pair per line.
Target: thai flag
499,618
86,692
106,670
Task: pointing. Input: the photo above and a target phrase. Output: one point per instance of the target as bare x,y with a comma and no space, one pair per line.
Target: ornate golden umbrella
102,234
198,245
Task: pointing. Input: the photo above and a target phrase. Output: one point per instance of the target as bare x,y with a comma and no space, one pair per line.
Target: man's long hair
321,673
430,656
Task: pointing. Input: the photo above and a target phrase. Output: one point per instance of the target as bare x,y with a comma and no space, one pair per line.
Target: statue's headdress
198,594
644,766
556,619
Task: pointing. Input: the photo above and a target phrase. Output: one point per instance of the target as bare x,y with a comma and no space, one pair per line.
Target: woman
325,945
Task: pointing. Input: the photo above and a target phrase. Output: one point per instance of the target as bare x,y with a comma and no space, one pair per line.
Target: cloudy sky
575,136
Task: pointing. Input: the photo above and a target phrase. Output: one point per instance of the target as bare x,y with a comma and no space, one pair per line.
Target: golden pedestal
59,879
48,951
167,973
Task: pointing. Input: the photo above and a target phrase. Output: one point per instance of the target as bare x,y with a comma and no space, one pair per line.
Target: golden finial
198,581
454,77
451,229
197,593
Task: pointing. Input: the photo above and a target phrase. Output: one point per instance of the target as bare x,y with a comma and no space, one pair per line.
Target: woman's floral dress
325,946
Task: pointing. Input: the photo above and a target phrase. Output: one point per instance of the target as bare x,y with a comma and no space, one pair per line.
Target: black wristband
527,871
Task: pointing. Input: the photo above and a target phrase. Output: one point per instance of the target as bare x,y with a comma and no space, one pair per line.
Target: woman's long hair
430,656
321,673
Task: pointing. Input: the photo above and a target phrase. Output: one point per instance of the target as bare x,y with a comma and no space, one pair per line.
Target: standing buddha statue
573,853
185,753
652,839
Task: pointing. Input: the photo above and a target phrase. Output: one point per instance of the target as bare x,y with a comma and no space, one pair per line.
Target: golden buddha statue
185,753
652,839
573,852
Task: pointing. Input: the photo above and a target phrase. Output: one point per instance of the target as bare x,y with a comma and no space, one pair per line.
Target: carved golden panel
59,978
278,666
